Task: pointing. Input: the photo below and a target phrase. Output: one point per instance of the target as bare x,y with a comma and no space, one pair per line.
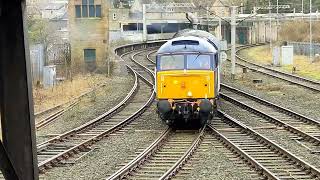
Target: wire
213,13
251,16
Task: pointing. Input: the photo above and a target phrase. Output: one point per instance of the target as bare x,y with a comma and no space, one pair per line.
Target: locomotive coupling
164,106
205,106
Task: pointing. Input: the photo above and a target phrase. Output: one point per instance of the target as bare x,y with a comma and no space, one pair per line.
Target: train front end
187,80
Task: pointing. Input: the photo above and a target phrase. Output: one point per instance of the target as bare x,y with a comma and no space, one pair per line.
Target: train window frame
213,56
159,62
197,56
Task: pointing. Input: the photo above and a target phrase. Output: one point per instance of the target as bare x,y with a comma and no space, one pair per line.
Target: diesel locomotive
187,77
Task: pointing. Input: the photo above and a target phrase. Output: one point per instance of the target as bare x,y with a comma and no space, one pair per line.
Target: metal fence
303,48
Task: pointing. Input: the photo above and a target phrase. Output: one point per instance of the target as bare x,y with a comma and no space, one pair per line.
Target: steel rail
274,120
310,168
97,119
52,117
277,71
68,105
179,164
256,69
245,156
48,162
140,64
270,104
143,156
135,163
271,145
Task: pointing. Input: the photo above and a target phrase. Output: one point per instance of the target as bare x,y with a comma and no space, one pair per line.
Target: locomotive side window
198,61
172,62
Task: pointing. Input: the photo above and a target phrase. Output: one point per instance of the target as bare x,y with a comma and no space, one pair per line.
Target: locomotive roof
199,33
188,44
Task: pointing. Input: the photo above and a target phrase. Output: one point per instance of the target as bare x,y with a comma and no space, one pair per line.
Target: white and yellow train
187,77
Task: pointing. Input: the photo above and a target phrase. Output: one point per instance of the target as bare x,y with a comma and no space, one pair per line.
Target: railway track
261,154
50,115
164,157
79,140
305,127
159,161
291,78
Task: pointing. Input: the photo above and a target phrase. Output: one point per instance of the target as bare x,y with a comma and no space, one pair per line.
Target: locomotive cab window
171,62
199,61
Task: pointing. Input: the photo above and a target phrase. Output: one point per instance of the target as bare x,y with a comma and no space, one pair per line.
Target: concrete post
233,41
311,54
220,30
250,35
277,19
265,32
270,26
145,32
208,18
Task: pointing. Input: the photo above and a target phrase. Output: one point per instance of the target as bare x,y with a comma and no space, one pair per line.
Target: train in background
187,77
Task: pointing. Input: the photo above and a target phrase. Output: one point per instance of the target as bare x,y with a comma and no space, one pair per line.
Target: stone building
89,33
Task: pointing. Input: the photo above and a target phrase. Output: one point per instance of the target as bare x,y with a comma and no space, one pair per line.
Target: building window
98,10
88,8
89,55
114,16
78,11
92,11
84,11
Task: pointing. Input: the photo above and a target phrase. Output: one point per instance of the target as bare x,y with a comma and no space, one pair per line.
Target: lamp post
270,26
310,50
277,19
233,41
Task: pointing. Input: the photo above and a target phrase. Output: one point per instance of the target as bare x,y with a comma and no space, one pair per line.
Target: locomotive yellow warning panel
185,84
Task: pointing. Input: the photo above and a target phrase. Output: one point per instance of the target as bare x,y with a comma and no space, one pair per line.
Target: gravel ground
215,164
149,120
279,135
113,151
91,106
277,91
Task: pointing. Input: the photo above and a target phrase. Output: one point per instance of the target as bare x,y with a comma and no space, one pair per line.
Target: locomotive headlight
189,94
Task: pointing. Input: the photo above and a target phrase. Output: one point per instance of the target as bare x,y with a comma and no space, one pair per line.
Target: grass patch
45,98
262,55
